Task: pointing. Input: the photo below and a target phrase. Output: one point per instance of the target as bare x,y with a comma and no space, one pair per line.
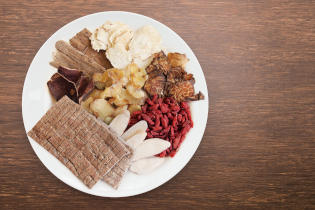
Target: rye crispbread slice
82,143
115,176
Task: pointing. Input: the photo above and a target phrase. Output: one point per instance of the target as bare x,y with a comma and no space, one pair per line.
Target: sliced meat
155,84
181,91
159,63
72,75
70,82
175,75
60,86
197,97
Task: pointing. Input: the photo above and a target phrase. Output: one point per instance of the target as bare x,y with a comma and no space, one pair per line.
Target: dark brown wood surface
258,150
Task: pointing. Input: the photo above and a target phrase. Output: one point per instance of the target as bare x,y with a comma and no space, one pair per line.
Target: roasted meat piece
181,91
197,97
155,84
60,86
188,77
177,59
167,77
160,63
72,75
175,74
71,82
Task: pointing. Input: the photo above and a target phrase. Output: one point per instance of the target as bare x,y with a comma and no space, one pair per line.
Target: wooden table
258,149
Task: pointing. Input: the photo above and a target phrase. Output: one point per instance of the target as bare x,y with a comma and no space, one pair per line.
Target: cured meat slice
60,86
72,75
70,82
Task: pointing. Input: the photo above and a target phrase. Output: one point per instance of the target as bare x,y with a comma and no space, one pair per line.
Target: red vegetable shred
167,120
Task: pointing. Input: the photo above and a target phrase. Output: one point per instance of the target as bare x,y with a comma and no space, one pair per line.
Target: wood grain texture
258,150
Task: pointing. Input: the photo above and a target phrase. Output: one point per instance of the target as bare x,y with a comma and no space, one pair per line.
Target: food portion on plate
82,143
121,103
71,82
123,46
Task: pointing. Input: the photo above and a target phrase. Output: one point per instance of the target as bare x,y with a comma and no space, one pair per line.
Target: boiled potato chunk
125,98
115,74
95,93
120,110
101,81
86,104
109,77
101,109
138,76
119,101
112,91
108,120
137,93
134,107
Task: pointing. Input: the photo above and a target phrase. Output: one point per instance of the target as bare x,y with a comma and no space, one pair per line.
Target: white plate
36,101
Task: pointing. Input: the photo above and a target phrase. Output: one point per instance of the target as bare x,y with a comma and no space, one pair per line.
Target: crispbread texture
116,174
83,144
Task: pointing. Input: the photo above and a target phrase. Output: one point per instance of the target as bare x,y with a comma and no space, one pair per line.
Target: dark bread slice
82,143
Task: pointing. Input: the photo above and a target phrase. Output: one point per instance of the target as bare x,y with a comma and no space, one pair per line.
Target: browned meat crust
70,82
159,63
177,83
155,84
175,75
177,59
181,91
